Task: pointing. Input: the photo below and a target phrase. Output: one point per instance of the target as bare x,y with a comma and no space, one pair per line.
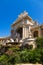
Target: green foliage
34,56
41,55
3,58
31,56
23,55
39,42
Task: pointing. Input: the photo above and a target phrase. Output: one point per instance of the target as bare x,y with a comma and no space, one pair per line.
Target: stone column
27,31
23,32
39,32
30,34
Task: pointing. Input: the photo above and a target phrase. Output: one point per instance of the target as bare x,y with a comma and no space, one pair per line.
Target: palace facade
24,30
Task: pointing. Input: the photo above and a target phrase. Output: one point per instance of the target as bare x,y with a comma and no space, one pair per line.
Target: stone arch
19,31
35,33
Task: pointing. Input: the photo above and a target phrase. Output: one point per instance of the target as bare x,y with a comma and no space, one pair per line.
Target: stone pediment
22,16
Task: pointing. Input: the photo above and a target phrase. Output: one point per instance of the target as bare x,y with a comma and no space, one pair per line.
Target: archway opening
35,34
19,31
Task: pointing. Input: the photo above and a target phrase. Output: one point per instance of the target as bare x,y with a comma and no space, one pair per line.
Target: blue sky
10,9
